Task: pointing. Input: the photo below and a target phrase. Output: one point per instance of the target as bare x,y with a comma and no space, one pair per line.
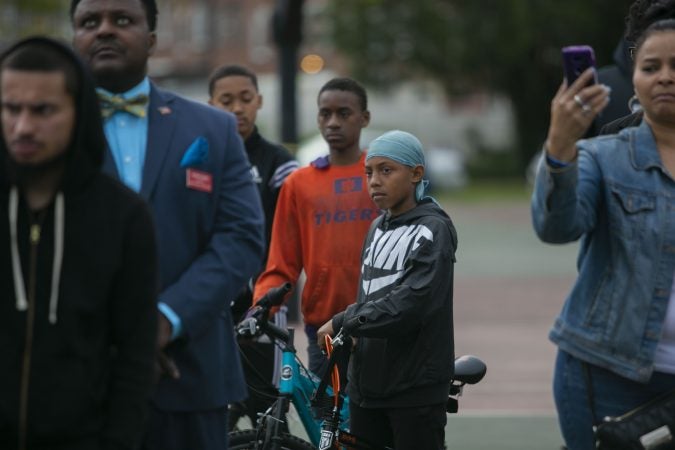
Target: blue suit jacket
210,243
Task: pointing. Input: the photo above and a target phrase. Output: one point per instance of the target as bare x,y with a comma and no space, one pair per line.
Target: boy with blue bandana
402,363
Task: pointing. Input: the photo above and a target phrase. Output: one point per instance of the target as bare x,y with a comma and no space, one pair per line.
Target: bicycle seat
469,369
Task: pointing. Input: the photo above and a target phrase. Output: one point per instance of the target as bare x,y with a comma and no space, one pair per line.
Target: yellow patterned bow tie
110,104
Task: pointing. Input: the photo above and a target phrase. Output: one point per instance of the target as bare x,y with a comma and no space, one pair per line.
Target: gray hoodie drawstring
59,233
19,286
59,229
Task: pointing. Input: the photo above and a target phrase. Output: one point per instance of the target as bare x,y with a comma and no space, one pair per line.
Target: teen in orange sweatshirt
323,213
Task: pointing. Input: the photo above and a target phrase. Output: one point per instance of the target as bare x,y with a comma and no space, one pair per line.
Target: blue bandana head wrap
404,148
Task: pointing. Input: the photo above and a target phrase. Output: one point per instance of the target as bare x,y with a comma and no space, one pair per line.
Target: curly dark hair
349,85
643,13
229,71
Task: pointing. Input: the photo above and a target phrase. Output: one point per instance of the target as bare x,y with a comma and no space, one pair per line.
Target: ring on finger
585,107
579,101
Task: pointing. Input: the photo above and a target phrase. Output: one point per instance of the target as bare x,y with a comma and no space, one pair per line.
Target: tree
510,47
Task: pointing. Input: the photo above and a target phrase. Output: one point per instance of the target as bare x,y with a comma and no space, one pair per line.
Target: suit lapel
109,165
161,126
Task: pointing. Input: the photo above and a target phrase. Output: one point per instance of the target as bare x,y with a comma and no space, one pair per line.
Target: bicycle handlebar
258,323
275,296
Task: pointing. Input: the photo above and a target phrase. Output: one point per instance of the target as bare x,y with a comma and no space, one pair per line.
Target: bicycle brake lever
337,340
247,327
252,325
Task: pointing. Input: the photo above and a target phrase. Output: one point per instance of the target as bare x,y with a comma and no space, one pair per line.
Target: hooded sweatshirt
619,77
77,301
405,349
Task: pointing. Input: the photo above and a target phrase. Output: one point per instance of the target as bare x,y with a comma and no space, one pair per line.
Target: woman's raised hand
572,112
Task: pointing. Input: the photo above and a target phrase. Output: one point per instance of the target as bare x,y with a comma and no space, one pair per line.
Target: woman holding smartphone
616,331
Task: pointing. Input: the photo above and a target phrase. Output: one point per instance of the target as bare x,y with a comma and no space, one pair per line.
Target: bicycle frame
303,389
468,370
296,386
332,433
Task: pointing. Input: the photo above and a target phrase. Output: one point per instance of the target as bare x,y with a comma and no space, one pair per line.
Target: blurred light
311,64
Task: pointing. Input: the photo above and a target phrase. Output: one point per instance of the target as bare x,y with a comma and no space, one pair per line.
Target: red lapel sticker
198,180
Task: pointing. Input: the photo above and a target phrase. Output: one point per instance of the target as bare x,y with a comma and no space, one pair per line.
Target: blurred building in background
195,36
19,18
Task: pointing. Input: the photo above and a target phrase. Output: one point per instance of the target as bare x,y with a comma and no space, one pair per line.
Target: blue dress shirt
127,136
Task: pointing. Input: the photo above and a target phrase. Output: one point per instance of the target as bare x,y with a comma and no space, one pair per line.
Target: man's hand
165,364
164,331
325,330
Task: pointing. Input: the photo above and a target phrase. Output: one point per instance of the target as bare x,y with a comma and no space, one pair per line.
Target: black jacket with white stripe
405,349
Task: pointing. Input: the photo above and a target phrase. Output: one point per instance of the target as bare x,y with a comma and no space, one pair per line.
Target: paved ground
508,289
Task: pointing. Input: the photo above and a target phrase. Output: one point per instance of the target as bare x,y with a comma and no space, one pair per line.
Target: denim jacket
619,199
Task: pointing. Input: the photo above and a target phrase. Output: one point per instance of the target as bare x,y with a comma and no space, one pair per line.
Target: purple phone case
576,59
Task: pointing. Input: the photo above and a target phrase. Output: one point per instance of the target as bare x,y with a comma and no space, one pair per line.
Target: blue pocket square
197,153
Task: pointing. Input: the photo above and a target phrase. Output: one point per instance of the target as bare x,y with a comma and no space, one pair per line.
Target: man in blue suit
188,161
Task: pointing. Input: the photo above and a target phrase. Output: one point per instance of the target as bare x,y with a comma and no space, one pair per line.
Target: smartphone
576,59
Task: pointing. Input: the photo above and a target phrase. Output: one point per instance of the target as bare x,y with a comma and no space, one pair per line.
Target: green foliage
511,47
492,165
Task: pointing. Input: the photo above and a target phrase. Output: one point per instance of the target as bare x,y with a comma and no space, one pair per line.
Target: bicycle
468,370
297,385
309,394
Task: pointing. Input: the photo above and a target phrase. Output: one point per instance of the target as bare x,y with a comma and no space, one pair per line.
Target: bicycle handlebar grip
275,296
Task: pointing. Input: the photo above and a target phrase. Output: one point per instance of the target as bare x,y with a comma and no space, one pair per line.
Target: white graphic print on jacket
387,253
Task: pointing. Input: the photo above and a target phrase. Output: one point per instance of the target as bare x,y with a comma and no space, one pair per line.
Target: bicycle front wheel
246,439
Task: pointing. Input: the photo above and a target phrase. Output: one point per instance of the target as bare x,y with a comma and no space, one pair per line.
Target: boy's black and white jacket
404,356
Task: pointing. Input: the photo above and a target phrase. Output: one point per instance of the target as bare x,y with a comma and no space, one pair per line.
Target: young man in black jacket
402,363
77,266
234,88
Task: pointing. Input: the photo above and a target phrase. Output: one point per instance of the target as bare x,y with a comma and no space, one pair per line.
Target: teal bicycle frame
299,385
296,385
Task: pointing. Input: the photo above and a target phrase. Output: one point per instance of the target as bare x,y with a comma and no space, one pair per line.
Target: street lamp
287,30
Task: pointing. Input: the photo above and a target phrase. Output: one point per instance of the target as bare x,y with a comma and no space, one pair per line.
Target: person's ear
365,118
211,102
417,174
260,101
152,43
